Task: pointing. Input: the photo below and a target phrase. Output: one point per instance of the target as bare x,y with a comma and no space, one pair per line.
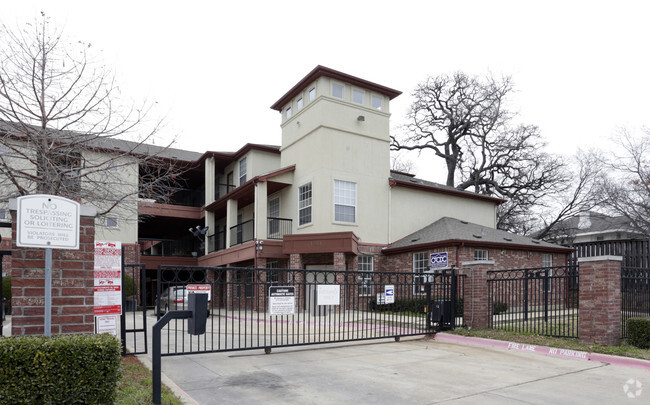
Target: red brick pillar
475,302
72,286
339,268
600,300
295,263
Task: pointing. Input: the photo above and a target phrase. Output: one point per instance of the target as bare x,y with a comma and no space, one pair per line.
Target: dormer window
288,112
337,90
357,96
299,104
376,102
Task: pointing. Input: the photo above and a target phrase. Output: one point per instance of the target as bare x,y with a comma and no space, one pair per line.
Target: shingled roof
447,231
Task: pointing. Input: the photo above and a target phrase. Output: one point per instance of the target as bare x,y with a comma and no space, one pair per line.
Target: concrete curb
178,391
548,351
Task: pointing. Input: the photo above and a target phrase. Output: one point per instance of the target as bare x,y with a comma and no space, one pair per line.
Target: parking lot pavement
413,371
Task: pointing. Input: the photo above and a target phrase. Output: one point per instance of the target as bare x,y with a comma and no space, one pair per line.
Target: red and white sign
108,278
199,288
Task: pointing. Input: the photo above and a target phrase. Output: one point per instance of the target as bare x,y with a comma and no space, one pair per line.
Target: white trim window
420,265
337,90
4,215
304,204
112,222
547,260
299,104
357,96
242,171
345,201
365,267
312,94
274,214
288,112
480,255
376,102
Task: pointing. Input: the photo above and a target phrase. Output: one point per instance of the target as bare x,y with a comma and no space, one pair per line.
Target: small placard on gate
199,288
106,324
282,300
328,294
389,294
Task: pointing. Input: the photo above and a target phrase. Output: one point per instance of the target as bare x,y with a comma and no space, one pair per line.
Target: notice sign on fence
389,294
108,278
282,300
47,221
328,294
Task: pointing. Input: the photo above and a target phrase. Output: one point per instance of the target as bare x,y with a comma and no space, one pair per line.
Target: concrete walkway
413,371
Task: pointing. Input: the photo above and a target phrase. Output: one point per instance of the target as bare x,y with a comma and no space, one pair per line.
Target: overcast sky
581,68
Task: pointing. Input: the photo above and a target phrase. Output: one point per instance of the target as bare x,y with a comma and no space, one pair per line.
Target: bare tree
64,129
401,164
465,121
626,189
448,110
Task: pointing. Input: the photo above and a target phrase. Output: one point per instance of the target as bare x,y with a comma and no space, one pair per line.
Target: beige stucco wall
412,210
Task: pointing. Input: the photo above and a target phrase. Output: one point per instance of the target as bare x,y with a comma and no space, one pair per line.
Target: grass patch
561,343
136,386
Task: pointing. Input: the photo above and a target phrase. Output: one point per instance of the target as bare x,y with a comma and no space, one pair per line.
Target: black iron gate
133,331
444,295
263,308
635,295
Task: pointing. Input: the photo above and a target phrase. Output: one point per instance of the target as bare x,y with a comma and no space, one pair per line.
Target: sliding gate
252,308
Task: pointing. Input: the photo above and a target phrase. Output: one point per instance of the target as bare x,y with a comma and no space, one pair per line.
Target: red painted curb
548,351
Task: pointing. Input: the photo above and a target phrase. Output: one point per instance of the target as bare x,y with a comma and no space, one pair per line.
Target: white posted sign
328,294
282,300
47,221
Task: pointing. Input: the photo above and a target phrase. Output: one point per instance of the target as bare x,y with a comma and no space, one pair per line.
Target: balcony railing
182,196
222,189
278,227
180,247
217,241
241,233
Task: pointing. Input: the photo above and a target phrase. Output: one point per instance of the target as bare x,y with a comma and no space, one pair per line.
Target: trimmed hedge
499,307
638,332
82,369
413,305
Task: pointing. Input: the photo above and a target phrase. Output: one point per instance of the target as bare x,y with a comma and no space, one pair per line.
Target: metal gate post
453,297
123,316
546,288
155,354
427,289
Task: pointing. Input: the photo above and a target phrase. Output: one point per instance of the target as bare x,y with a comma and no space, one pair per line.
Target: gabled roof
335,74
447,231
399,179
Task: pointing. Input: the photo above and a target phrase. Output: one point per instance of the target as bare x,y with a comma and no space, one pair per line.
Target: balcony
278,227
243,232
217,241
180,247
222,189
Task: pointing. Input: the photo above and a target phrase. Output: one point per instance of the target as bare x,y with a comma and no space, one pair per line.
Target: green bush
82,369
413,305
638,332
129,285
499,307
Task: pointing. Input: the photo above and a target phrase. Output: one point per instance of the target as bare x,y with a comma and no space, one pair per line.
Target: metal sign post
47,221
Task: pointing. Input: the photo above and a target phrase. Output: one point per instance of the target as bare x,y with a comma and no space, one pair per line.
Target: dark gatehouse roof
451,231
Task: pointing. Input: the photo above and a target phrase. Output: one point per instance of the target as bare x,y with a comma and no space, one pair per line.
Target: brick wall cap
478,262
600,259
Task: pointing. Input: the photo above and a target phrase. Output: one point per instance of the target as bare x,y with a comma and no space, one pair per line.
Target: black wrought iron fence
539,300
242,232
278,227
253,308
635,295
